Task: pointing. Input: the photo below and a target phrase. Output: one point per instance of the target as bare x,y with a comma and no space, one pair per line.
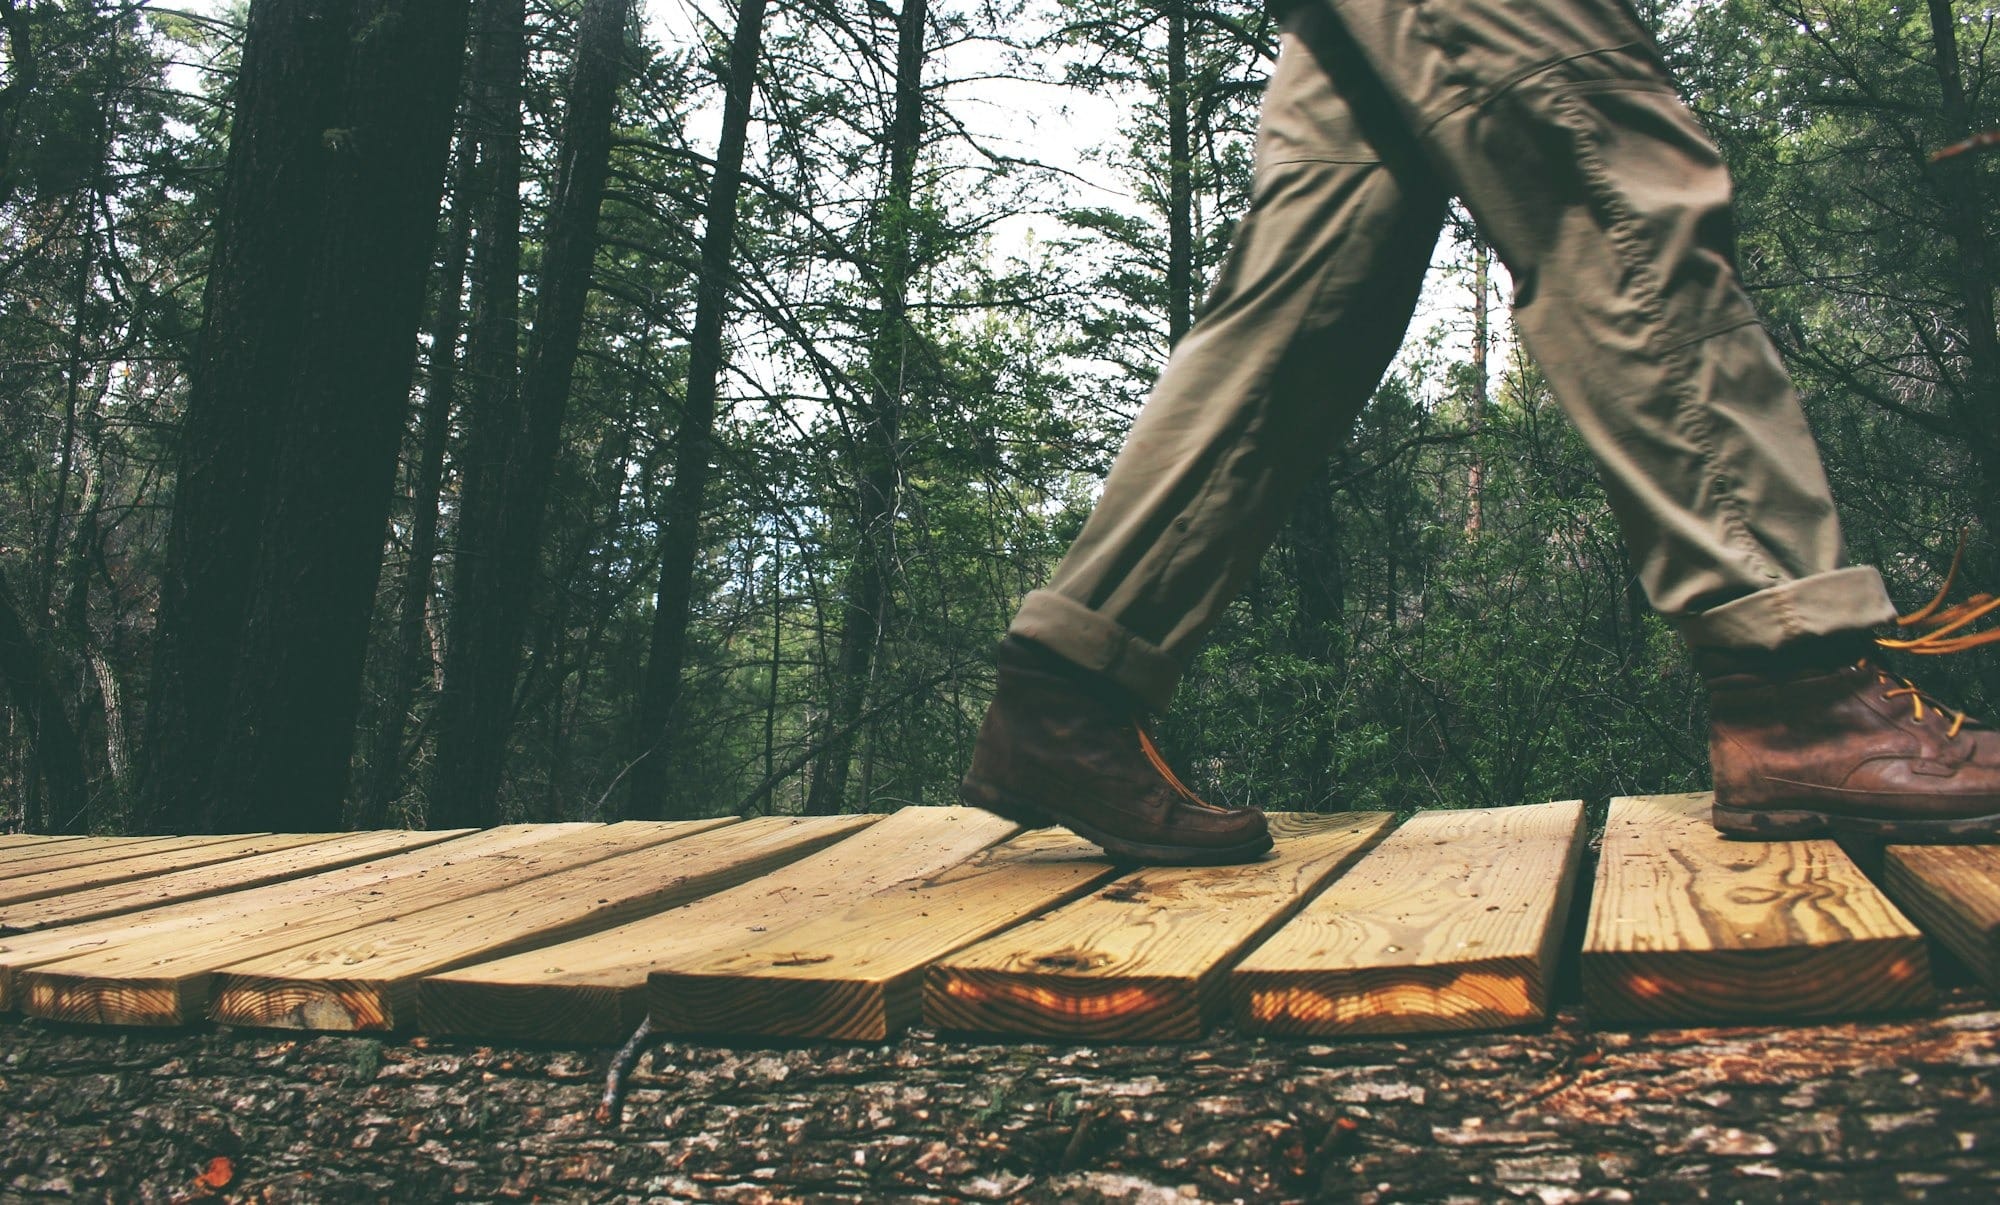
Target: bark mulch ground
1902,1108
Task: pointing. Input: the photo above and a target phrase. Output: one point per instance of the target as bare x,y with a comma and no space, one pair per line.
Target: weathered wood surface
166,978
1952,892
857,973
222,878
109,853
1867,1112
236,925
593,989
1453,922
1686,924
28,845
1148,956
365,978
19,888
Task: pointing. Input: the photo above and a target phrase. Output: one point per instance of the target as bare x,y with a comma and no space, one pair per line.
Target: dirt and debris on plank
1864,1111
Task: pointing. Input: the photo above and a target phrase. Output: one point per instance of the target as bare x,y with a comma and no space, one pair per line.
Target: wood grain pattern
857,973
1687,925
28,845
298,907
105,852
1953,894
19,888
365,978
1453,922
329,853
1146,957
593,989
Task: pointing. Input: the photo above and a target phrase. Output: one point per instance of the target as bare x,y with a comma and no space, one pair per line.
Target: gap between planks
1146,957
857,973
366,978
153,967
593,989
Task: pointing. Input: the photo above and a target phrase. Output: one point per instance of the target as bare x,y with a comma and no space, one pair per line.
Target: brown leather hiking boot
1817,739
1061,745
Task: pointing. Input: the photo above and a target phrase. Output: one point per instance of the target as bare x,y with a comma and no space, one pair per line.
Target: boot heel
1766,824
980,795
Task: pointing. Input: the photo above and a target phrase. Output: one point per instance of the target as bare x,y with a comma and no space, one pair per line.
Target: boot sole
1029,815
1770,824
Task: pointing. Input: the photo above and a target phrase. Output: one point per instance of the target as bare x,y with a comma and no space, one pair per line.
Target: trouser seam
1696,419
1479,96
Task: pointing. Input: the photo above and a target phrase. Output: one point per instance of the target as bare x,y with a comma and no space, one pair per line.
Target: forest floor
1900,1108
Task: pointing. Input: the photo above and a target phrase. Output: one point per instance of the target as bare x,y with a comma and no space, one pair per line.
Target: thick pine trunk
297,393
1960,180
693,455
409,659
863,613
500,542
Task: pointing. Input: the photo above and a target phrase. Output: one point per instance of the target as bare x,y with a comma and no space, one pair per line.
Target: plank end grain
347,1005
1953,893
53,995
1687,925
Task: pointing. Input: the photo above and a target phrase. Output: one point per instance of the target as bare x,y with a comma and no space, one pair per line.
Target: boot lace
1941,631
1945,625
1159,763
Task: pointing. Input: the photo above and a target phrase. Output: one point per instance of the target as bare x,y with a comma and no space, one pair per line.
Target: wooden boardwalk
857,927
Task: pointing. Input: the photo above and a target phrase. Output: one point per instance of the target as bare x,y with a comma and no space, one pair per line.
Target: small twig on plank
611,1108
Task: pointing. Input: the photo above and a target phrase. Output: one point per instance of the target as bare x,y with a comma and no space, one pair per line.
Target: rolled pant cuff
1843,600
1088,638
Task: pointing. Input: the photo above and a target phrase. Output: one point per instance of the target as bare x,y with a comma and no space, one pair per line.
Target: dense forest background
457,412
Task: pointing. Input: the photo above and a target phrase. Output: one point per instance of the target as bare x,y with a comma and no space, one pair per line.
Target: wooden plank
18,845
327,854
1452,922
329,894
593,989
366,978
165,979
106,852
857,973
20,887
1952,892
1687,925
1148,956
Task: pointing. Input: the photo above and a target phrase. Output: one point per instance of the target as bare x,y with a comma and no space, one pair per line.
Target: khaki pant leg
1306,316
1558,125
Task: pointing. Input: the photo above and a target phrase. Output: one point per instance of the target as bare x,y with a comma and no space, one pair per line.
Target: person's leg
1306,316
1308,312
1558,125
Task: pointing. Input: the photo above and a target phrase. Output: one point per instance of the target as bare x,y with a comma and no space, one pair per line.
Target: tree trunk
693,454
863,617
57,753
500,541
298,389
1180,180
409,657
1475,474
